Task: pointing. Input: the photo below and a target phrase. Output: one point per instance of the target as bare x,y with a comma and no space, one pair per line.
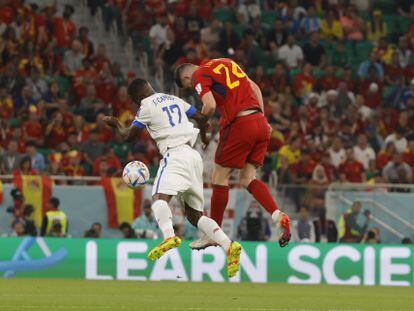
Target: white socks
163,216
214,232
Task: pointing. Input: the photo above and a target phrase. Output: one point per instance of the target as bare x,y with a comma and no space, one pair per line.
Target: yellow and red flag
37,190
124,204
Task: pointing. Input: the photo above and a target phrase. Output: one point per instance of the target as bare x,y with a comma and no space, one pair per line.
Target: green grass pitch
56,295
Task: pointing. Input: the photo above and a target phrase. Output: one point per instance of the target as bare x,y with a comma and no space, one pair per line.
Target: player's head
183,75
139,89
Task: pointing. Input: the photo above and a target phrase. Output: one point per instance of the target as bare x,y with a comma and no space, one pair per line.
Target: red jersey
352,170
230,87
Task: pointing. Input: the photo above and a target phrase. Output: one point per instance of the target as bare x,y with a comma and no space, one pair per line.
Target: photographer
372,236
53,218
94,231
18,204
350,231
145,225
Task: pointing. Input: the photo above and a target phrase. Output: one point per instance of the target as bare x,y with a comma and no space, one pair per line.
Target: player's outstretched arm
127,133
202,124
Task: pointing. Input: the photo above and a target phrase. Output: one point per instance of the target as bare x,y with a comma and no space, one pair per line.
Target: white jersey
166,119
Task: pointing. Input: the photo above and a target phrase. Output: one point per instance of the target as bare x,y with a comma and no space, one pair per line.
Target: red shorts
243,141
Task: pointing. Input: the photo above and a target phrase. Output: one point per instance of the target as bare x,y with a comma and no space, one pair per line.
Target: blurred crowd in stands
337,78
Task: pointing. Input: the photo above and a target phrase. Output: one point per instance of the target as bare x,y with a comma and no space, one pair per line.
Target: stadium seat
293,73
223,14
385,6
363,49
239,29
404,23
268,18
390,21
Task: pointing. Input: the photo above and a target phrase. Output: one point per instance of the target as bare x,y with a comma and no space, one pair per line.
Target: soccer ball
135,174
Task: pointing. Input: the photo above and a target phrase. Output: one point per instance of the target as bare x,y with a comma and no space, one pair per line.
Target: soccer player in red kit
244,135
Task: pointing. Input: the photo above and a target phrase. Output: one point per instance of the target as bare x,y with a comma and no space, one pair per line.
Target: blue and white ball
135,174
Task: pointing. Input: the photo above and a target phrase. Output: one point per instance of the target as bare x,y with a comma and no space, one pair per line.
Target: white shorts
181,174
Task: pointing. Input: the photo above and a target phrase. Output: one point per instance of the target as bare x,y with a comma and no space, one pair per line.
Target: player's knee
245,181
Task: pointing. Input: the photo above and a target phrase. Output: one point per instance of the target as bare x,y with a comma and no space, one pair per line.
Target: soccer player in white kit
166,117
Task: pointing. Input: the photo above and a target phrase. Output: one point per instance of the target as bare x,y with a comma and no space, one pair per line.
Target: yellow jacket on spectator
374,36
333,32
292,156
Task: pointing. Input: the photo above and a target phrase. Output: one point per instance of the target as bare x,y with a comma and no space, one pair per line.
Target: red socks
262,195
219,200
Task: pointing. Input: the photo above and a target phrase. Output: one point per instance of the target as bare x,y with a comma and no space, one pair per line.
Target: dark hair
406,241
24,160
30,144
54,201
28,210
124,225
97,223
135,89
178,72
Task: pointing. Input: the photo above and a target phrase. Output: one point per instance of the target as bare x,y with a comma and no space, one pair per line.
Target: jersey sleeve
143,117
189,110
202,81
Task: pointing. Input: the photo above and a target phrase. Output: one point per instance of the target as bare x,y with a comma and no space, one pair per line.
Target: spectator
350,231
291,153
331,28
37,84
25,167
372,236
397,171
92,148
254,225
145,226
325,229
55,222
372,61
32,129
210,35
311,22
6,103
248,11
291,54
352,24
37,159
94,232
313,51
158,32
24,101
18,229
302,228
72,60
404,52
112,163
10,160
376,28
64,28
304,82
90,105
277,37
351,170
29,224
100,58
74,168
56,132
363,152
384,51
406,241
229,40
385,155
127,231
398,138
53,99
88,48
408,155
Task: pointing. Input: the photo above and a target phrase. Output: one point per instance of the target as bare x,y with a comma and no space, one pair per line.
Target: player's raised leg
163,216
216,234
218,203
262,195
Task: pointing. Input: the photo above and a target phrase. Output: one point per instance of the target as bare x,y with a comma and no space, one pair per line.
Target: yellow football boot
164,247
233,259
